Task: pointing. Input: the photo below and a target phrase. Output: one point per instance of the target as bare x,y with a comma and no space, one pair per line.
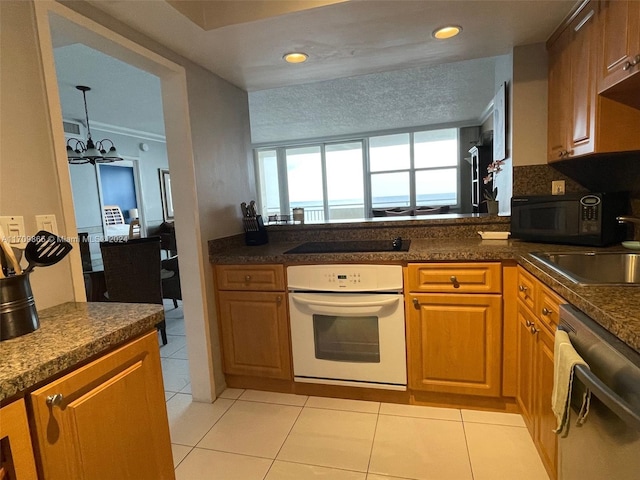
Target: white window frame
281,148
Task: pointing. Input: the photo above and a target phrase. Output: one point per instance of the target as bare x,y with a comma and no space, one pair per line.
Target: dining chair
132,271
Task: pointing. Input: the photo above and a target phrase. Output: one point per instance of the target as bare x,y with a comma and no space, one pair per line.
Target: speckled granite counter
615,308
68,335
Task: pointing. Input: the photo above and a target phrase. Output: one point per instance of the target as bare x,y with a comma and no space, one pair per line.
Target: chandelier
89,152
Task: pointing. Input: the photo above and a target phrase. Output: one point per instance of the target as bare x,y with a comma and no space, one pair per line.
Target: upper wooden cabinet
620,20
572,87
580,120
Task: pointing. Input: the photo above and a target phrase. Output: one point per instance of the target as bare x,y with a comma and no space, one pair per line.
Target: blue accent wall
118,187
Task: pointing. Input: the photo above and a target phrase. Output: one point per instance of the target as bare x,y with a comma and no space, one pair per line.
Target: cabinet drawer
527,289
455,277
250,277
549,307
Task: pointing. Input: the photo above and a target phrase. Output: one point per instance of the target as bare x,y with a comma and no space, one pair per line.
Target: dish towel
565,358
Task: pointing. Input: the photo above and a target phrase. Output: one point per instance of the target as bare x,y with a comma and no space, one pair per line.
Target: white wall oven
347,325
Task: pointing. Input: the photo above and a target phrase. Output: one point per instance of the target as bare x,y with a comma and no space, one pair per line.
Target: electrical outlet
557,187
47,223
13,228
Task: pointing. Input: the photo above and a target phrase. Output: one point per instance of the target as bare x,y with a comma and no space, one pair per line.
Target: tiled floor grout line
373,441
286,437
466,443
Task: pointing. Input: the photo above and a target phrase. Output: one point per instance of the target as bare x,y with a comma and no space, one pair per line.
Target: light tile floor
253,435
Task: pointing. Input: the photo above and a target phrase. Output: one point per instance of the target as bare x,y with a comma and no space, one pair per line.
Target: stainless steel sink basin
595,268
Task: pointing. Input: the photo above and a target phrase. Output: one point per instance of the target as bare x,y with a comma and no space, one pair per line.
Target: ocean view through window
401,173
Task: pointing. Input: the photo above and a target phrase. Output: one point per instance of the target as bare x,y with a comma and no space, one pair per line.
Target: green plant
493,169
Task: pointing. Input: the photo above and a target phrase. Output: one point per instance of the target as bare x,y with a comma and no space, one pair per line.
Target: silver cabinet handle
247,278
528,323
54,400
279,299
455,282
522,288
416,304
546,311
533,329
631,63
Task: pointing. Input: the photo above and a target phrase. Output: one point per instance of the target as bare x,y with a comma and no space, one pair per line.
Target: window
346,180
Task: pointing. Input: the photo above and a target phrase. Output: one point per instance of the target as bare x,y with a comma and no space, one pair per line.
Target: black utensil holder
18,315
255,232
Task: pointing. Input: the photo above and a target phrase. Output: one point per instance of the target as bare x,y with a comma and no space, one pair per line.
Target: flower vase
492,207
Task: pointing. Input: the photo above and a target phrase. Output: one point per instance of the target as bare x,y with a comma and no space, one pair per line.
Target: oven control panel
339,278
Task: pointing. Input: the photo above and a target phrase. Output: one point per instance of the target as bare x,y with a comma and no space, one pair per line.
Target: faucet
629,219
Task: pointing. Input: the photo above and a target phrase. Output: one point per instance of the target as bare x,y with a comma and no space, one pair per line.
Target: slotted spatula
45,249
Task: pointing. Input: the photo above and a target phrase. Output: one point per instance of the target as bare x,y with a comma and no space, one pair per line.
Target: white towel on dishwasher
565,358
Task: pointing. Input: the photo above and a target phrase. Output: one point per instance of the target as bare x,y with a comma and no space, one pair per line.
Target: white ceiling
347,39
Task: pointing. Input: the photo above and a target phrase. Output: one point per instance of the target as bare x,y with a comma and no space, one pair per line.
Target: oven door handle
343,304
607,396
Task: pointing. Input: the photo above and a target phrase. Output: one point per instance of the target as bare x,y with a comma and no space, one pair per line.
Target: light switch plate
13,228
47,223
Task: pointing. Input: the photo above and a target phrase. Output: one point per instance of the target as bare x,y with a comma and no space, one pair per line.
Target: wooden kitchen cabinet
106,419
580,120
454,340
253,318
620,20
250,277
536,330
572,87
16,454
454,277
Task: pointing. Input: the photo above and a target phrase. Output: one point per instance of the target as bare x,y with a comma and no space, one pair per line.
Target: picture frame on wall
165,193
499,123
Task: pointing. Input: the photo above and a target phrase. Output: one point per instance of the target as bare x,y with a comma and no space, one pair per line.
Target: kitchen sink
353,246
595,268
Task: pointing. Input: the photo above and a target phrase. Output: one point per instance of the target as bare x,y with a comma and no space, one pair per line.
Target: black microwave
575,219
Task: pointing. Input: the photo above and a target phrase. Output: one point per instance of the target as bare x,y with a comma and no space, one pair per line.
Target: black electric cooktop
353,246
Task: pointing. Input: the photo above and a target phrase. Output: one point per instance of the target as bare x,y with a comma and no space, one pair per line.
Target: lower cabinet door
255,334
454,343
545,439
526,359
16,454
107,419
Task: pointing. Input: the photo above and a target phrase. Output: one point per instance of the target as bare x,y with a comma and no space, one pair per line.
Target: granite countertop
616,308
68,335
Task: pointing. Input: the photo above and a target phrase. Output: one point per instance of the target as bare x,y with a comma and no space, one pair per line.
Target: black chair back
132,270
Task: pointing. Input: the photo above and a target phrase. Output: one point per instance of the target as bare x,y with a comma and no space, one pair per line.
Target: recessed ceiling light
448,31
295,57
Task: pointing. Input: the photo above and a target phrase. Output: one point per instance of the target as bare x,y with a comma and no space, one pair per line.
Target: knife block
255,232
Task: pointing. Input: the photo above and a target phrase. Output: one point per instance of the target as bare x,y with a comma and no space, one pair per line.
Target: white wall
28,175
504,73
224,178
530,105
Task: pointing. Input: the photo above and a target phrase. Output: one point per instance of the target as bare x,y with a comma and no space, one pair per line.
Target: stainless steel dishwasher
607,445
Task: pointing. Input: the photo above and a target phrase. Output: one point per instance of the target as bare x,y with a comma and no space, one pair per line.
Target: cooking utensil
8,253
245,212
252,208
45,249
